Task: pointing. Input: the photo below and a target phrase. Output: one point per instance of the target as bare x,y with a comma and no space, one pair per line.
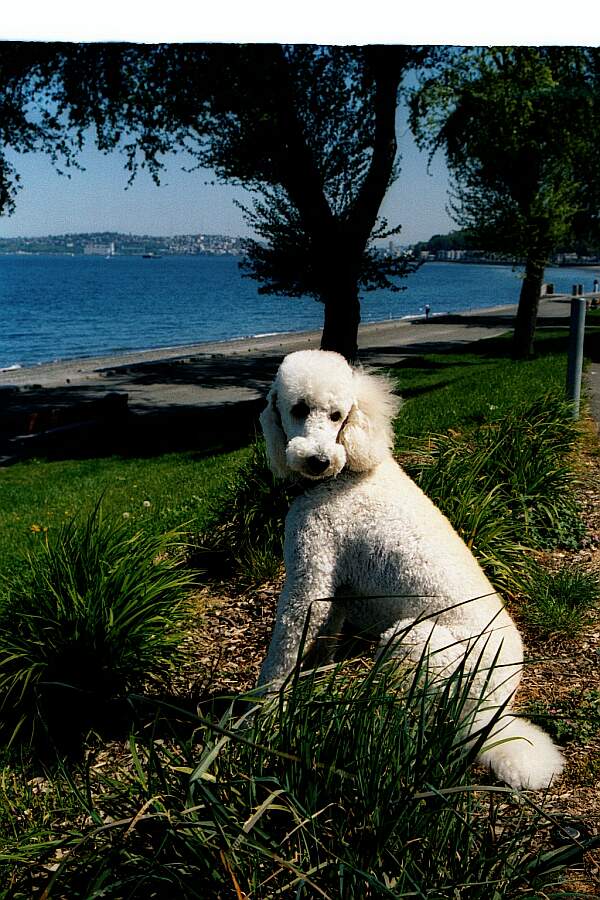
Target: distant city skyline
96,199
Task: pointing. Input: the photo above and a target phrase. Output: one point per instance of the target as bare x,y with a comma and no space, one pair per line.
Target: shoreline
206,395
84,369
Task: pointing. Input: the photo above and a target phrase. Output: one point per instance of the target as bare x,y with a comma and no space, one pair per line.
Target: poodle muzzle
315,455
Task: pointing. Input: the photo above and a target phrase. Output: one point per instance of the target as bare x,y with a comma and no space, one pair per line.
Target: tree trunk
341,321
335,241
524,335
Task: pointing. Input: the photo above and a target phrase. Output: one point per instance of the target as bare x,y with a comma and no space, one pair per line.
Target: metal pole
575,359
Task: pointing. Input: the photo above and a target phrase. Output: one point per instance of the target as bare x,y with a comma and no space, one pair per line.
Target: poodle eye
335,416
300,410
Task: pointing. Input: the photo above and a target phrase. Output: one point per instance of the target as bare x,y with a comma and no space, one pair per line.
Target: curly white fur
364,531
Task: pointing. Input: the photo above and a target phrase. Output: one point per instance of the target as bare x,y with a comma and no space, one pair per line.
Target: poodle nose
317,464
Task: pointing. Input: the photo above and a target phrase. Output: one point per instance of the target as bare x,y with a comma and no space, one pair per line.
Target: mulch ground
234,626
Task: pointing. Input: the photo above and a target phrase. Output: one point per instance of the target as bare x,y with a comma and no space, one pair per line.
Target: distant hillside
464,245
113,243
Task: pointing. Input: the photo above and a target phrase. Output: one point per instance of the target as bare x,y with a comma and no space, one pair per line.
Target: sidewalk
592,384
208,396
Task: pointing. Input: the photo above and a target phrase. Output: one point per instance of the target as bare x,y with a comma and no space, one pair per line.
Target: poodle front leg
312,612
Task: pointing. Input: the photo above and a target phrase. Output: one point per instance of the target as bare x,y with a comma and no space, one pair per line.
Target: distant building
99,249
450,255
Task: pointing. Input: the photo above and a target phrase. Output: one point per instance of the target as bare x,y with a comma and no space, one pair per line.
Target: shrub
351,784
247,526
95,612
559,601
506,484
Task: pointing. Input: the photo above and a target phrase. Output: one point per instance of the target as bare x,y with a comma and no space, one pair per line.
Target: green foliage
513,122
506,485
155,495
30,123
282,259
558,602
94,613
455,240
575,717
247,527
355,783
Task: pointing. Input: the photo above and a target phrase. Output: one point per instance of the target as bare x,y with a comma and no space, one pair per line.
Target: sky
97,199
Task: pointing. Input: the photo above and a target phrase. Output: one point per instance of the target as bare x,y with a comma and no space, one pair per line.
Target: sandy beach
128,370
216,389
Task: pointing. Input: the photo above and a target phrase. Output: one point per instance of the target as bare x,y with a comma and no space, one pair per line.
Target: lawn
478,384
189,805
154,494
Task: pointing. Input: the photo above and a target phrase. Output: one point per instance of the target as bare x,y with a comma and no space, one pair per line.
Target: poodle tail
522,755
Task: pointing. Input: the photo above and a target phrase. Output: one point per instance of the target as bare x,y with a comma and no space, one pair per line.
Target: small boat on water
151,255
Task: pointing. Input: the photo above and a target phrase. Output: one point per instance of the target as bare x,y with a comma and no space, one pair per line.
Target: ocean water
58,308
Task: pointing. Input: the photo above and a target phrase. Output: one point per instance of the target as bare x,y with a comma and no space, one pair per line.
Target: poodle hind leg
413,642
518,752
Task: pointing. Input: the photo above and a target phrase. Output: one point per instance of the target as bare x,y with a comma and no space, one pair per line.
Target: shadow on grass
203,430
207,429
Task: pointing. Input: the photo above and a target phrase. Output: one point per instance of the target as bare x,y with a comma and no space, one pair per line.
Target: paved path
217,389
205,374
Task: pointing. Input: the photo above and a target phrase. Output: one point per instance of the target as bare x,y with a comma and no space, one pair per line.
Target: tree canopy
514,124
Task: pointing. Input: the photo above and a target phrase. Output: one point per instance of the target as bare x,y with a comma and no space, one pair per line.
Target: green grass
506,485
93,614
558,602
38,495
450,391
357,785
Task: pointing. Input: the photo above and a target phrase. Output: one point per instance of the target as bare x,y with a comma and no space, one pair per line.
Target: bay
60,308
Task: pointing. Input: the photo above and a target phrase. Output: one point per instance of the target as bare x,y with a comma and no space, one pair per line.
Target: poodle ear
275,439
367,435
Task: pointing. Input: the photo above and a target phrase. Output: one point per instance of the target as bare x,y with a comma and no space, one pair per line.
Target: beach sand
222,381
372,337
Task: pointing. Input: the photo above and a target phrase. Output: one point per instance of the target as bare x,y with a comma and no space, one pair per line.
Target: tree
28,121
318,202
514,125
308,130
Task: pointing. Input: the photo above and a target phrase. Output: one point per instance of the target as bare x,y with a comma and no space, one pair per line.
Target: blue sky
97,199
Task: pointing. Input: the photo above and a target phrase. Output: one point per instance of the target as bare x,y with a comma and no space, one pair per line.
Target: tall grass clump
350,784
506,484
559,601
247,526
95,612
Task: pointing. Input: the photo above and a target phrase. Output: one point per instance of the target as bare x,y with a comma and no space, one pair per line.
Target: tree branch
387,65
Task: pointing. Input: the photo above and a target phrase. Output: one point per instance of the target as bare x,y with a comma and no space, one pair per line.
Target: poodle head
323,416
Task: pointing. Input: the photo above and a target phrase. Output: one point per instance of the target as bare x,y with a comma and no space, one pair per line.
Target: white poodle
364,531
